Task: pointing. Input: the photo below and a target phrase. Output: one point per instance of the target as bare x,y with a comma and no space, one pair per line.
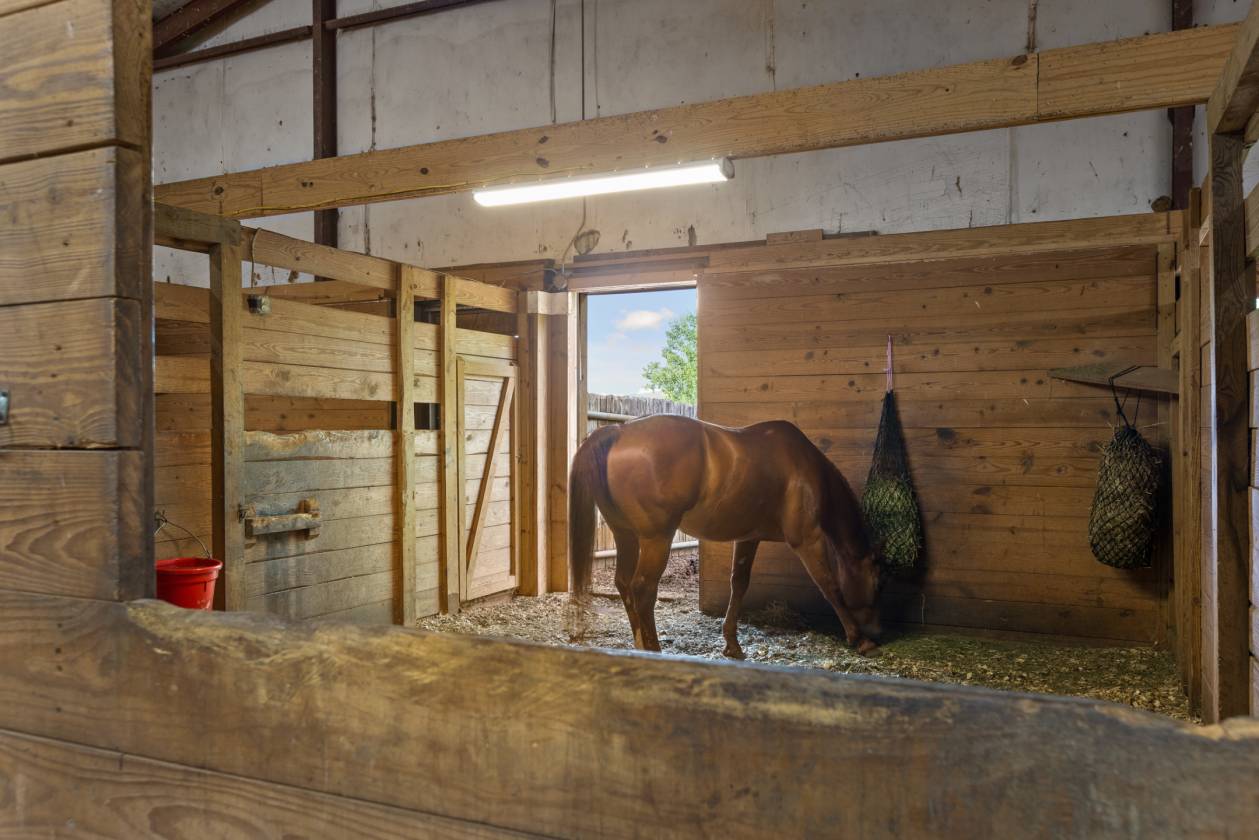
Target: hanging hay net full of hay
889,502
1122,522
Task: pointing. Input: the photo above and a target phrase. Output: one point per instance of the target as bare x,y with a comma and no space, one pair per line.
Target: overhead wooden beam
1236,95
1154,71
1182,123
271,39
406,10
188,19
324,83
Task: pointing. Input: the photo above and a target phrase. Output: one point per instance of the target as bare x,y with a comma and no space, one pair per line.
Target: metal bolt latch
4,406
260,304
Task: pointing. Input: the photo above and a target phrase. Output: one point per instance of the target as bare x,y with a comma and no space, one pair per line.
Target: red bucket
188,581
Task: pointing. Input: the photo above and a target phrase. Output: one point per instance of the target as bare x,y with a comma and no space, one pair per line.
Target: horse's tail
587,484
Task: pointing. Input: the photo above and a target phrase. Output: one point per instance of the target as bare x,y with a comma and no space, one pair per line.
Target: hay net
1122,520
889,502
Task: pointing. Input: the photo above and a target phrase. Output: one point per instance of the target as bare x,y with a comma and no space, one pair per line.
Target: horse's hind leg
653,556
740,574
626,563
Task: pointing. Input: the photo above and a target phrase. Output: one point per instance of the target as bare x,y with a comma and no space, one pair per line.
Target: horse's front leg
653,556
740,574
812,552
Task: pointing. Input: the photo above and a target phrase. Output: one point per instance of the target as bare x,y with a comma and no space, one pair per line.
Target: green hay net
889,502
1121,524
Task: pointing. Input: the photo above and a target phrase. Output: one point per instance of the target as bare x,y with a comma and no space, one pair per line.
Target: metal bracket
260,304
4,406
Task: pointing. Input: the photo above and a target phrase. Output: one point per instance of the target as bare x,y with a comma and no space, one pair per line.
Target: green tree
675,375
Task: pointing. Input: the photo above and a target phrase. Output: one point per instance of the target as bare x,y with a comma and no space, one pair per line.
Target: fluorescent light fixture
708,172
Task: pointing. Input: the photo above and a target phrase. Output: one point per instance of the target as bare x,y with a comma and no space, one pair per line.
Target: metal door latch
4,406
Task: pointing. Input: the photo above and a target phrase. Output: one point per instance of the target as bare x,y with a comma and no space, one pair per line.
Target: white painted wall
518,63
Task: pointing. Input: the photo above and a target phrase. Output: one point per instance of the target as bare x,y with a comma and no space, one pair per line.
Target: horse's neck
848,526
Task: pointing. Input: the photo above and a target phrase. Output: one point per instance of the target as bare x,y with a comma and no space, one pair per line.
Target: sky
625,332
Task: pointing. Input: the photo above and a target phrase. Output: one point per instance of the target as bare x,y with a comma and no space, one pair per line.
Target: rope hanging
889,502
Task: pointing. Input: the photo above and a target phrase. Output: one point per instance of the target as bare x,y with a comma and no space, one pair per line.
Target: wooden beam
1235,97
1182,123
452,490
189,19
324,84
404,455
1234,294
271,39
1153,71
227,421
132,675
406,10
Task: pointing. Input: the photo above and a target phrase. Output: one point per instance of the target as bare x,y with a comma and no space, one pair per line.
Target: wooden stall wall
1004,457
321,433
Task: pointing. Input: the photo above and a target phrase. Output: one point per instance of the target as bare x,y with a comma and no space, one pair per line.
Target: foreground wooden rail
628,744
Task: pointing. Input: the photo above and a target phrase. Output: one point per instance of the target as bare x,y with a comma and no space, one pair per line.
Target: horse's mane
846,522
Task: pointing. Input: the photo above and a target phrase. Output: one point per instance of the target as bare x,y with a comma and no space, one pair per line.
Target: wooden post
324,105
1163,439
530,426
227,421
1234,293
1187,485
562,440
404,451
451,489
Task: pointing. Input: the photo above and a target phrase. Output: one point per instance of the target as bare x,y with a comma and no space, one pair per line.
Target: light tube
708,172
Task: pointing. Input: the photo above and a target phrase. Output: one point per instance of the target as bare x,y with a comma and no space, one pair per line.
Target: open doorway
642,359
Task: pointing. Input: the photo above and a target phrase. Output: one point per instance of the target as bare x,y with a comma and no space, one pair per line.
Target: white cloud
643,319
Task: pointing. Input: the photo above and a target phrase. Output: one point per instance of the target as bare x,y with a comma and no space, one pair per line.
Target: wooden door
487,454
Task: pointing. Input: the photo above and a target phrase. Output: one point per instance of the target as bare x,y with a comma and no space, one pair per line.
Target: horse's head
860,580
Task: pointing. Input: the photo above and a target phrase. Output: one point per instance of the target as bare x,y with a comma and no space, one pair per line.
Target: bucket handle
162,522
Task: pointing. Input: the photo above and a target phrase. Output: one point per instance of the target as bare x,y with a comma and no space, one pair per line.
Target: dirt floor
1139,676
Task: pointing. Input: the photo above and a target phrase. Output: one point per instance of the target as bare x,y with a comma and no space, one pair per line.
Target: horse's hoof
733,652
867,648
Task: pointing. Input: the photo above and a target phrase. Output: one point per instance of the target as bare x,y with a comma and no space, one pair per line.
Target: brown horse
768,481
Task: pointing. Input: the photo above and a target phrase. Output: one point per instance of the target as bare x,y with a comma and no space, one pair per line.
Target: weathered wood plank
1235,94
280,251
73,78
812,723
318,445
450,476
930,357
227,421
70,221
70,369
1233,296
404,452
293,476
281,380
106,793
334,535
58,523
999,269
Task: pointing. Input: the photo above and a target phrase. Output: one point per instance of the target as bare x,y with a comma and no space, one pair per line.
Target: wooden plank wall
74,298
318,374
1004,457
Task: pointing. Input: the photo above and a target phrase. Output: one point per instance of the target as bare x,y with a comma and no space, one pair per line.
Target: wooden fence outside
614,409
